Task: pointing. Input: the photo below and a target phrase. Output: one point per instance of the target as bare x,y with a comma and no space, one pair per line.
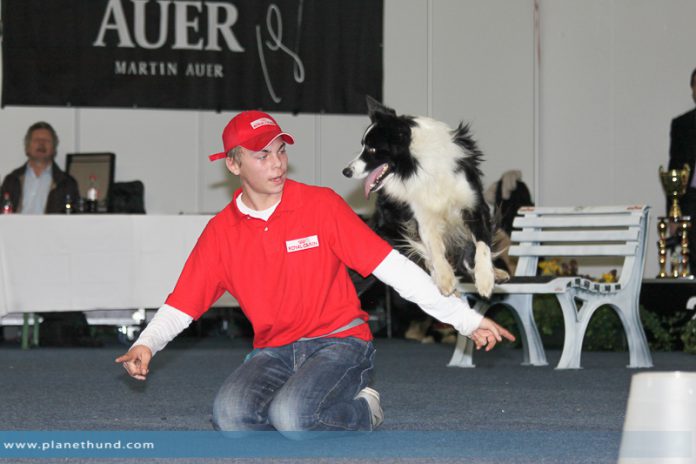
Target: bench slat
628,249
575,235
594,221
637,209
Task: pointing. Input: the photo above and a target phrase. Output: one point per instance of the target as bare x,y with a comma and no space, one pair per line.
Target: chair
127,197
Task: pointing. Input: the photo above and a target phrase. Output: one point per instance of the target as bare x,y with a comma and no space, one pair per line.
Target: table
667,295
92,262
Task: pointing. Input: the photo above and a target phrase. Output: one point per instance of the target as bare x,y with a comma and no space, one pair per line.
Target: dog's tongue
371,179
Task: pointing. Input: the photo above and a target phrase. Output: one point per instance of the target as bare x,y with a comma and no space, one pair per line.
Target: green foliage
605,332
689,337
549,319
661,331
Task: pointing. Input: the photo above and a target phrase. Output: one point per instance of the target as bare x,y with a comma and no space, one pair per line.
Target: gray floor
498,412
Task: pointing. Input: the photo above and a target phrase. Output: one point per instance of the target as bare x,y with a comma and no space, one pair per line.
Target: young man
281,249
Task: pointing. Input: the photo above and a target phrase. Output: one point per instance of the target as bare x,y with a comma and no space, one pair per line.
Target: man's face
40,146
263,172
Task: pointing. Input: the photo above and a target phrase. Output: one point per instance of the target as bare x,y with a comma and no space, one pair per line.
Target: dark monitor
100,165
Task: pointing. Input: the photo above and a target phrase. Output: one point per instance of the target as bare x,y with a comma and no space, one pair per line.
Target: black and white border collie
430,198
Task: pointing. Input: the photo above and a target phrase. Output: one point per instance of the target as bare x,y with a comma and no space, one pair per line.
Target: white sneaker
372,397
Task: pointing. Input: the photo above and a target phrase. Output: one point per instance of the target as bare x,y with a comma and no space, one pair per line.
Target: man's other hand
136,361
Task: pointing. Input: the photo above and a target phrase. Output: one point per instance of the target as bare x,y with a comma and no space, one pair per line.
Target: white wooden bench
566,232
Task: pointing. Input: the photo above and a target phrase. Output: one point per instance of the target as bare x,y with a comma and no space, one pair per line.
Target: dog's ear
376,109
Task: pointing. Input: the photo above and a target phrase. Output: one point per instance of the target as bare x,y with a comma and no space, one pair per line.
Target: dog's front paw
484,283
446,282
447,288
501,275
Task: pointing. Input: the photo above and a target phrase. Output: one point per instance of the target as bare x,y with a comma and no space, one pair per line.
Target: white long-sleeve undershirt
167,324
416,286
397,271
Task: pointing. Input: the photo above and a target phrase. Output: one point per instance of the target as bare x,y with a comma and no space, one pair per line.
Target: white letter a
119,24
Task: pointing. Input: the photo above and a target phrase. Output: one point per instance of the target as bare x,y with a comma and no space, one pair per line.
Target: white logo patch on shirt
261,122
302,243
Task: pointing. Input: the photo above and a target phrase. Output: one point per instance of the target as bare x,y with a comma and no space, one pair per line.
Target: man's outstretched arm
415,285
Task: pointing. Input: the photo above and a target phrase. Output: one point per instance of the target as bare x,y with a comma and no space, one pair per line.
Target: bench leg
533,353
463,355
576,323
574,332
638,349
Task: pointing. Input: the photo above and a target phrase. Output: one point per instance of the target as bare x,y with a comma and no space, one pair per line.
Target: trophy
675,238
674,182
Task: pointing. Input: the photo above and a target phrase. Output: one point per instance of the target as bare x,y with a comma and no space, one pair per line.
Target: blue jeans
305,386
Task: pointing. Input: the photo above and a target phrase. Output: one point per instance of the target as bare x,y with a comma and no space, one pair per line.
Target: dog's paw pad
484,285
501,275
446,285
447,288
445,280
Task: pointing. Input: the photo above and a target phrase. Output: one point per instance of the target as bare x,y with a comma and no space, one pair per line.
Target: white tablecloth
87,262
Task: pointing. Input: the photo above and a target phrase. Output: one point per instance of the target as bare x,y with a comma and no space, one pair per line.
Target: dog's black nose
348,172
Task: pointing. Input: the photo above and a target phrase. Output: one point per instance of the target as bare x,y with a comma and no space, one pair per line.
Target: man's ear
232,165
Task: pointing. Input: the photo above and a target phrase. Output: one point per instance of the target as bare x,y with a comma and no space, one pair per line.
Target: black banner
309,56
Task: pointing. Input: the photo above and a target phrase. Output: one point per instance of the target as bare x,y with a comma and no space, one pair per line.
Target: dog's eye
371,150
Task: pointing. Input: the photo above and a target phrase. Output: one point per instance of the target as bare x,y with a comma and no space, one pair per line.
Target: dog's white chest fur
433,189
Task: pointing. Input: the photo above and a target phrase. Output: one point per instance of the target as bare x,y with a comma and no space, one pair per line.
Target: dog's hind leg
484,272
436,257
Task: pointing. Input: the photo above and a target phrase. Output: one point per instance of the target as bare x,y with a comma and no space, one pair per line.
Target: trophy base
669,277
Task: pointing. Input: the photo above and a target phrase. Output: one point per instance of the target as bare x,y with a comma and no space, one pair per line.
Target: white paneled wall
613,75
483,73
591,116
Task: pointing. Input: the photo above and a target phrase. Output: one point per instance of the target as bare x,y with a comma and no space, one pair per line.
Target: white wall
590,116
612,76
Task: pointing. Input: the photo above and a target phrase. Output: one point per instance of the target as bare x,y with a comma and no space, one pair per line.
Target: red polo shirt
288,273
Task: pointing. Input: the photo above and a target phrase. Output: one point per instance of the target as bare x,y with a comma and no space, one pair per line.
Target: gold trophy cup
674,182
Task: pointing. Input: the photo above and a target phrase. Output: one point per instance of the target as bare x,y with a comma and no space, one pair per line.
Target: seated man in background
39,186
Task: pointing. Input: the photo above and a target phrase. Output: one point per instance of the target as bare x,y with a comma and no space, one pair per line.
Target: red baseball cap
253,130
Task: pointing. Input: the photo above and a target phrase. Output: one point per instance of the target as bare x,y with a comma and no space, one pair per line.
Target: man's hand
136,361
489,334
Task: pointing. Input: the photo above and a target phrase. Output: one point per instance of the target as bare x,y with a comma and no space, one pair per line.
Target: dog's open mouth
375,178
